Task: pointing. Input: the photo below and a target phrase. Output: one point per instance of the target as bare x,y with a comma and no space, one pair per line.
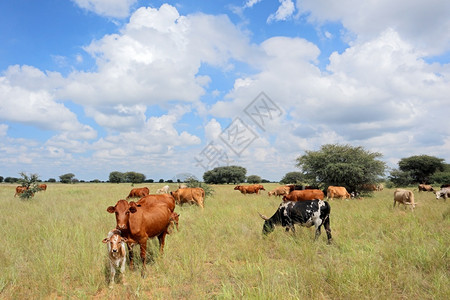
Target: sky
166,88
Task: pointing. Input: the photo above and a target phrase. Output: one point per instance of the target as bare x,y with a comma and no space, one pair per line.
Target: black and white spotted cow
306,213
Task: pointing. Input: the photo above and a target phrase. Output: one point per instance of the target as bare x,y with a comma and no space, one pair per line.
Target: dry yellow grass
51,248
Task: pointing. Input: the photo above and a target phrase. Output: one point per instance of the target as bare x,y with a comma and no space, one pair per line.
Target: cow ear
105,240
133,209
111,209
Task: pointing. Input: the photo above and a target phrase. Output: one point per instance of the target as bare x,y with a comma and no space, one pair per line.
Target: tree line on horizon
332,164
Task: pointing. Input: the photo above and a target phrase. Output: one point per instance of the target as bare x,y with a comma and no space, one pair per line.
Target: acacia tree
254,179
341,165
67,178
31,183
292,177
421,167
228,174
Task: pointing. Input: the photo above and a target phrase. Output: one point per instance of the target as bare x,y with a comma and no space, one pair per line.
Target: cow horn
263,217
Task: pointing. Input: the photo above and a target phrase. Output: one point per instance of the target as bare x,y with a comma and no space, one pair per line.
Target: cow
182,186
380,187
337,192
163,190
444,193
20,189
445,185
42,187
404,196
138,192
189,195
279,191
153,199
117,253
304,195
425,188
306,213
369,187
139,223
247,189
174,220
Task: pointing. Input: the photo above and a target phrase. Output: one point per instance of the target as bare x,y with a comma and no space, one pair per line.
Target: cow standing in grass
117,253
405,197
306,213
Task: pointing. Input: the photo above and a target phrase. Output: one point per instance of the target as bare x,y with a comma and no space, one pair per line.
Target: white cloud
284,11
251,3
3,129
107,8
423,23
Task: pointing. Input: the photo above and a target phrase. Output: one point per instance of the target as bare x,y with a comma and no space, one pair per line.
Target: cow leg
161,239
130,255
143,247
326,224
112,274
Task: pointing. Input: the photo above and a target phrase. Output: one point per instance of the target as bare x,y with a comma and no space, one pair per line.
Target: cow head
237,187
122,209
268,226
114,241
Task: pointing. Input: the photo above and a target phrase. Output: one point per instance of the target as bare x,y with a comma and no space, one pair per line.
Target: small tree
292,177
400,178
228,174
134,177
31,185
116,177
421,167
66,178
1,179
254,179
341,165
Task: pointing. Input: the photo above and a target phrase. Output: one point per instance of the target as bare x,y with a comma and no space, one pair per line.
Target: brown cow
404,196
189,195
117,254
150,200
304,195
42,187
279,191
20,189
247,189
425,188
139,192
337,192
139,223
369,187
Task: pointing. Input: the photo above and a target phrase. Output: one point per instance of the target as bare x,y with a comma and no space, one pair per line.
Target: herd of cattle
153,215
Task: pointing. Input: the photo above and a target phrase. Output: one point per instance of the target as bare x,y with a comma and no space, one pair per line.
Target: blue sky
169,87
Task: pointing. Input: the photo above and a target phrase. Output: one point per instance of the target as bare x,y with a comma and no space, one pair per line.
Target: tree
31,183
293,177
116,177
228,174
400,178
341,165
11,179
421,167
66,178
1,179
51,180
254,179
134,177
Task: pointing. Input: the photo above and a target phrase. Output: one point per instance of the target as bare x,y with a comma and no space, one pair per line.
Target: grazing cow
425,188
337,192
304,195
20,189
139,223
369,187
189,195
117,253
247,189
279,191
182,186
306,213
138,192
404,196
42,187
163,190
444,193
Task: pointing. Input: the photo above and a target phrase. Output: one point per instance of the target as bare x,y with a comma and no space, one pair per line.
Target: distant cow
138,192
139,223
189,195
404,196
337,192
20,189
304,195
163,190
182,186
42,187
117,253
425,188
279,191
444,193
247,189
369,187
305,213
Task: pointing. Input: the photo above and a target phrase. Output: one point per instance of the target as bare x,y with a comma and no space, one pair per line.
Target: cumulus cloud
284,12
423,23
107,8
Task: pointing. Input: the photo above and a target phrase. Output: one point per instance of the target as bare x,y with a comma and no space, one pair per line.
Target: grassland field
51,248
